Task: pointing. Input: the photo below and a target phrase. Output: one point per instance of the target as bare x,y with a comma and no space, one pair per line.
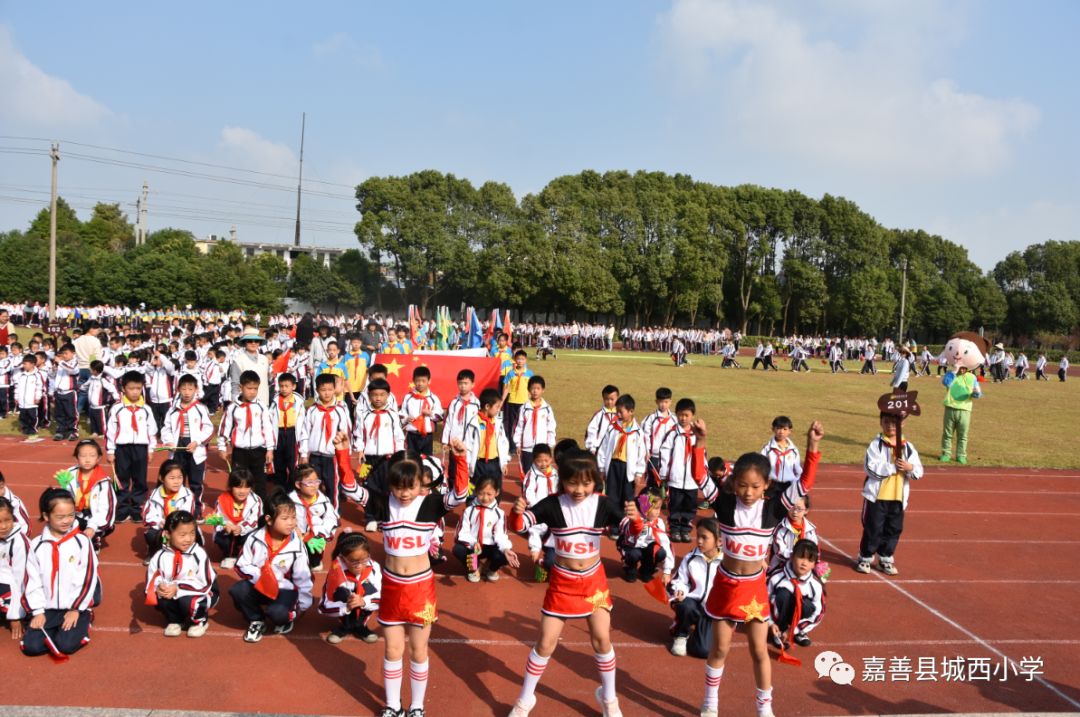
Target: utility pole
903,297
300,178
54,153
141,211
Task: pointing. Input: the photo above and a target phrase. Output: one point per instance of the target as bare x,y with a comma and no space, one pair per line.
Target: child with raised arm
408,608
747,517
577,517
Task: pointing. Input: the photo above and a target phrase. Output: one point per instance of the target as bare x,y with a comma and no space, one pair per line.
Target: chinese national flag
444,370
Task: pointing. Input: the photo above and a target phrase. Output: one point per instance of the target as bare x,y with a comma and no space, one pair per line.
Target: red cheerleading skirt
738,598
408,600
573,593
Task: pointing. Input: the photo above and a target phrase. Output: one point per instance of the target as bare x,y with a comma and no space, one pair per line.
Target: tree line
644,248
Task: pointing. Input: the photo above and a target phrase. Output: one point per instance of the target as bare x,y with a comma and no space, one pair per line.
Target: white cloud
990,235
341,46
247,148
30,97
856,93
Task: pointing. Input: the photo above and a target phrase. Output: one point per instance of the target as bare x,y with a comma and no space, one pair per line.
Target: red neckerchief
267,583
97,474
307,514
227,504
480,525
547,473
182,410
489,433
177,564
167,500
421,420
620,445
660,422
464,406
781,453
797,615
327,421
56,556
376,424
535,411
134,422
798,529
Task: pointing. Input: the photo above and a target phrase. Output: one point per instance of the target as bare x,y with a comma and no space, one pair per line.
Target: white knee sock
606,665
534,670
391,673
712,686
418,674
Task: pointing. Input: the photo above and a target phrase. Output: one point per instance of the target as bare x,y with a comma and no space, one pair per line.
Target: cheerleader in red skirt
747,513
577,517
407,606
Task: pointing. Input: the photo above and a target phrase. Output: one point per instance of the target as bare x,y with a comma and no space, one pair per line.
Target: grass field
1014,424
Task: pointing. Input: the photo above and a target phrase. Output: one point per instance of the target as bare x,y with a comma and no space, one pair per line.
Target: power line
175,159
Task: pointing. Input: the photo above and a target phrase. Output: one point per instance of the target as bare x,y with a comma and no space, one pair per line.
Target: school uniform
901,372
517,395
1040,369
288,415
66,394
213,376
14,554
784,538
275,583
645,546
487,448
100,394
420,429
599,425
1063,368
196,584
536,486
29,390
535,424
129,439
246,515
676,454
694,579
342,585
796,603
885,496
95,502
315,519
321,424
377,436
159,388
158,507
621,458
5,386
185,425
785,465
481,536
653,430
61,575
248,428
22,517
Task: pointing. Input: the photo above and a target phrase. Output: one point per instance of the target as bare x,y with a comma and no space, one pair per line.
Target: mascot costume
964,352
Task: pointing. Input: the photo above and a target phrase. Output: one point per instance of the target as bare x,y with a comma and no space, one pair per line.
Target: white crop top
747,539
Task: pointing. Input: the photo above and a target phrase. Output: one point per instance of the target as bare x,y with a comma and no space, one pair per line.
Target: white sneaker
610,708
522,709
473,577
228,563
708,711
372,526
678,647
889,568
320,568
198,629
863,566
173,629
491,576
255,631
765,710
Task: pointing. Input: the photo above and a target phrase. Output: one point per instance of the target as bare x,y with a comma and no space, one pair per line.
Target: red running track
987,575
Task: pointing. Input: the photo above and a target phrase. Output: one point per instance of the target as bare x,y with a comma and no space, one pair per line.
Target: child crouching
796,597
482,535
352,589
180,581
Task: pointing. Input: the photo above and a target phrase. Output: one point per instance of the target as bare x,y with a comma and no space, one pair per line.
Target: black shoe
58,437
629,575
802,640
646,577
390,712
415,712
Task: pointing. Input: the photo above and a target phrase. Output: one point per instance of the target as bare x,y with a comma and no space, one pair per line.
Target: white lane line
955,513
957,626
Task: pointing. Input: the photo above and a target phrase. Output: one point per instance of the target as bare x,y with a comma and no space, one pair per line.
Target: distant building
286,252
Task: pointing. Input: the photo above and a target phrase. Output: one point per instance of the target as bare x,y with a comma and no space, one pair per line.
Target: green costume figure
964,352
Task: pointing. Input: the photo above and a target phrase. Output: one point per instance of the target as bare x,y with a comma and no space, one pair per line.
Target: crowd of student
755,561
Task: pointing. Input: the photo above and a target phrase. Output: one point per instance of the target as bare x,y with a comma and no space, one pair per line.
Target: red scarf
96,475
182,411
535,415
55,544
307,515
660,423
421,420
780,454
229,508
134,422
376,424
327,421
480,525
267,583
167,500
464,407
620,445
489,434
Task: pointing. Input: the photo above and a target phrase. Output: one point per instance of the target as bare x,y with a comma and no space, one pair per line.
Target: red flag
785,659
508,328
658,590
444,370
281,363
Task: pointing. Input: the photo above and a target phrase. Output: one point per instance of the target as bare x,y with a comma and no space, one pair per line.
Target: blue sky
955,117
